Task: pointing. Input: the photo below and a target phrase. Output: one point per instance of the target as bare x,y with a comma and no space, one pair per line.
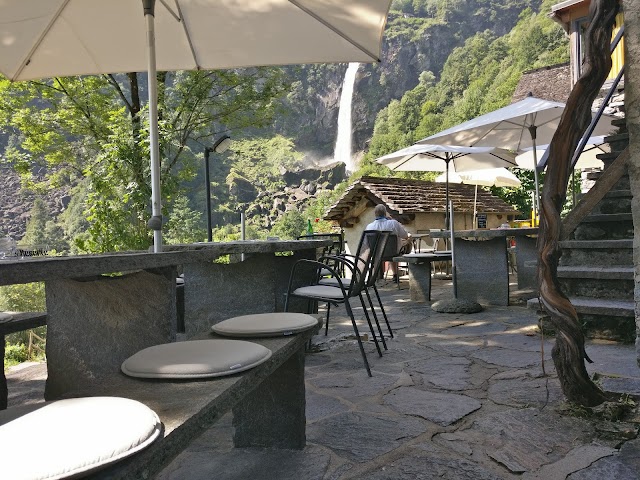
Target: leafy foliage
95,128
185,225
477,78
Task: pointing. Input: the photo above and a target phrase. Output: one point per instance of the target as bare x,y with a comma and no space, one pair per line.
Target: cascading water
342,151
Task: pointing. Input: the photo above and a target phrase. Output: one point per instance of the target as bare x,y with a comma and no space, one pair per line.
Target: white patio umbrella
588,159
489,177
437,158
56,38
516,127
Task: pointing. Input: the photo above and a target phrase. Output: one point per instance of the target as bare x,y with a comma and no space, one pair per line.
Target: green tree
185,225
95,129
38,217
290,225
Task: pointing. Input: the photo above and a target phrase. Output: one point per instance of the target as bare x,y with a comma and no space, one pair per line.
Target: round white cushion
76,436
195,359
265,325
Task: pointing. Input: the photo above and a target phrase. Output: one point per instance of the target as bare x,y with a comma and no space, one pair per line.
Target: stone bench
16,323
420,272
267,402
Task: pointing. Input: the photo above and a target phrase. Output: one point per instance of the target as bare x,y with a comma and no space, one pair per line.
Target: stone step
597,244
608,217
597,252
602,288
617,137
613,307
608,157
619,194
609,319
599,273
593,306
619,122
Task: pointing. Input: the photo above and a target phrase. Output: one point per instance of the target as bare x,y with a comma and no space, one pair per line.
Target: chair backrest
335,248
378,258
368,247
391,246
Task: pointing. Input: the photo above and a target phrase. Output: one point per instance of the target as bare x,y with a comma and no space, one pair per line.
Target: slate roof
404,196
549,83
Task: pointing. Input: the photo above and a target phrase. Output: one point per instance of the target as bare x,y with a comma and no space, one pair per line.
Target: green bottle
309,227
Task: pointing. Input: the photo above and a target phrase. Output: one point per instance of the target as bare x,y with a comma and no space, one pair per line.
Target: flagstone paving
455,396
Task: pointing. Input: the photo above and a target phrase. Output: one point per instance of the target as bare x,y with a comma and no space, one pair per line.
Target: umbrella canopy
437,158
489,177
54,38
44,38
588,159
516,127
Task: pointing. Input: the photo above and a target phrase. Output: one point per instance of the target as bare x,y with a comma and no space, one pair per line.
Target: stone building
418,205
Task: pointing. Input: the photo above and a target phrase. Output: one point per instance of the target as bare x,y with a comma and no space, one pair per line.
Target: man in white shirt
384,222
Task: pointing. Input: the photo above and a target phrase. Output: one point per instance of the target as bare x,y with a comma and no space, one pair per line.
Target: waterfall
343,142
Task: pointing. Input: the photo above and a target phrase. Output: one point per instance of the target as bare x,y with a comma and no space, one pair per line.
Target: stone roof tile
406,196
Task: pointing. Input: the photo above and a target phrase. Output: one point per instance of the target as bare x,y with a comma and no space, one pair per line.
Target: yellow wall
618,54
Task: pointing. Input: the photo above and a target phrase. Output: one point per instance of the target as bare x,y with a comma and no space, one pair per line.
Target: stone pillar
527,262
94,324
632,108
420,281
482,271
273,415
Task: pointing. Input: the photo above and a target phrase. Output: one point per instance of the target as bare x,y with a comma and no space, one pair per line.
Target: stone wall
632,106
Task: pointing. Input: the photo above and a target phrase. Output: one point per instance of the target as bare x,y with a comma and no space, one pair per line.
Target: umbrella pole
536,207
475,203
447,210
156,201
454,275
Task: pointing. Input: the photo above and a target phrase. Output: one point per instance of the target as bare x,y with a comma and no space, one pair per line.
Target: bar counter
101,309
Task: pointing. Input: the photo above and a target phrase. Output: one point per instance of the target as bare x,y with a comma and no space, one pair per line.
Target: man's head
380,210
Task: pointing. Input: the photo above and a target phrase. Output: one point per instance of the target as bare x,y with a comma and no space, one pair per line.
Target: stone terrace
455,397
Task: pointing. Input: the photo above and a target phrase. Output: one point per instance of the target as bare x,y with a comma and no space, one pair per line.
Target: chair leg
326,325
373,333
375,316
355,329
384,314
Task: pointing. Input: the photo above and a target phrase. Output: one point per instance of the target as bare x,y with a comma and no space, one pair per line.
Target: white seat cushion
332,281
5,316
320,291
265,325
71,437
195,359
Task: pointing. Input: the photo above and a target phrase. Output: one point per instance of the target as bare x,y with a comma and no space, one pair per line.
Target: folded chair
343,289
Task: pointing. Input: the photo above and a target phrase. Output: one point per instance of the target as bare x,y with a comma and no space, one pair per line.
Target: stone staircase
596,268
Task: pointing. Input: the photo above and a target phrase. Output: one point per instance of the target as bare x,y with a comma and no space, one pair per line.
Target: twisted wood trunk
568,353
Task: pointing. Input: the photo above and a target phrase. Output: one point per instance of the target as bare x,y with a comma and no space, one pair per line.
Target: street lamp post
219,146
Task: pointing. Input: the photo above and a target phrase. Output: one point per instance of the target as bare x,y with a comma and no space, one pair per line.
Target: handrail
603,105
596,118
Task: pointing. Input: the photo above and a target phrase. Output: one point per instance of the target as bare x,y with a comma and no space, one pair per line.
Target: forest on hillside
443,62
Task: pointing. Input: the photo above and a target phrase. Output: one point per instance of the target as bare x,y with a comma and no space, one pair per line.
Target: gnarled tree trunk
568,352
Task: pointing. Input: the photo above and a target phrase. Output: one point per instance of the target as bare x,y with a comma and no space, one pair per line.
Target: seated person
384,221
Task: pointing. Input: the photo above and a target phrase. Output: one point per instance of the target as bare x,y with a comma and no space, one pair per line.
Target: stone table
481,262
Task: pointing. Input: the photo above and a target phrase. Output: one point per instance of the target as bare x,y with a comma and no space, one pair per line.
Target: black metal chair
336,248
376,268
342,290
